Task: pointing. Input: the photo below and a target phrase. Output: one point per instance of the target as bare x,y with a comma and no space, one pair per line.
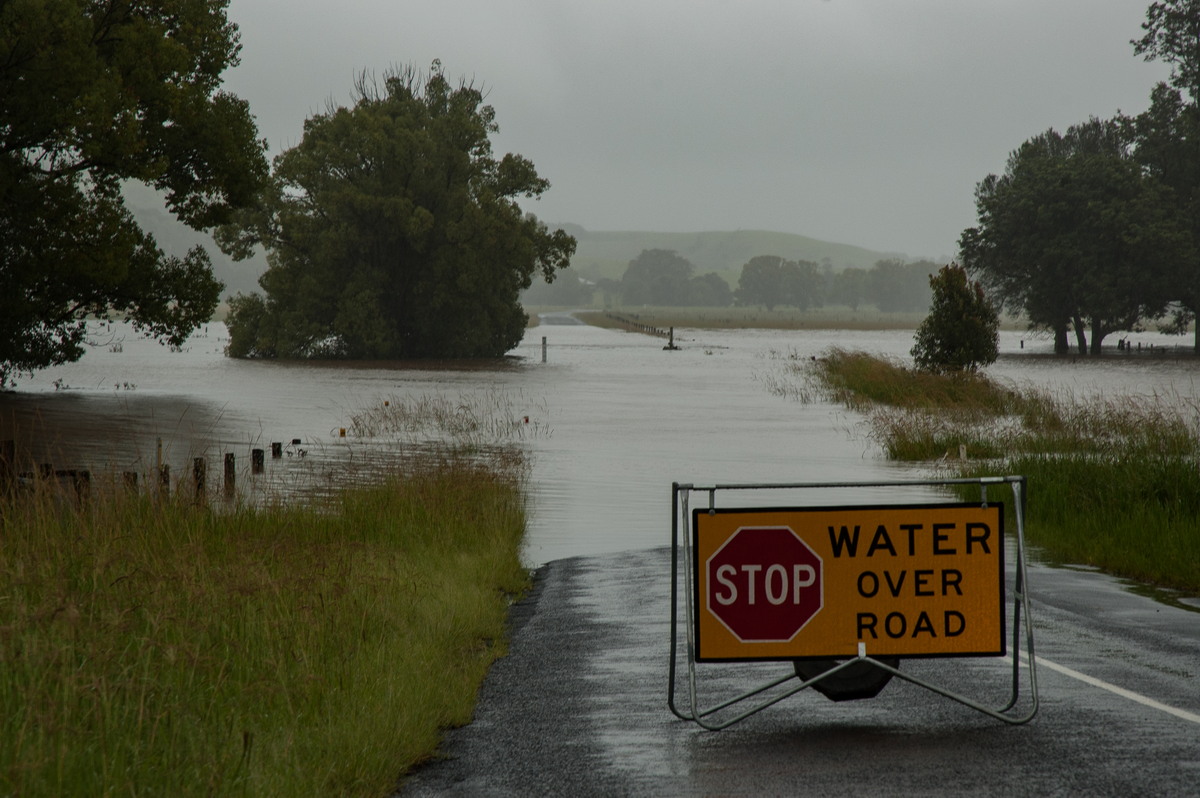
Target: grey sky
866,122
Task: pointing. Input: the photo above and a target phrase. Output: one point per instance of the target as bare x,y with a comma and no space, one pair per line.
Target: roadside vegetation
1113,481
156,646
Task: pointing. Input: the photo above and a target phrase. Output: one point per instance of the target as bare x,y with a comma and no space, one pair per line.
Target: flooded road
613,418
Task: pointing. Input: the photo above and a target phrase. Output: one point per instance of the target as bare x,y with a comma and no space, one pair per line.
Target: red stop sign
764,584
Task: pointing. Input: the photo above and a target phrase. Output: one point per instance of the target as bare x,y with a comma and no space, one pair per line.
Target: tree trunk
1062,344
1097,337
1080,335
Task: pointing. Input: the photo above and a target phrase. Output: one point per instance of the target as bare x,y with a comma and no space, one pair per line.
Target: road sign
766,584
904,580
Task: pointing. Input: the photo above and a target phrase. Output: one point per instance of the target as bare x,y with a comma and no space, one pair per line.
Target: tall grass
1113,481
151,648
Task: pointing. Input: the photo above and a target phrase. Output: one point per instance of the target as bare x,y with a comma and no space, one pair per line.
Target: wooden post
230,474
543,349
82,480
164,479
199,476
257,461
8,466
276,450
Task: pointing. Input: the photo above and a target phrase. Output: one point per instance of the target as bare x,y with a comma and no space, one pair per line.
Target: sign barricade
843,593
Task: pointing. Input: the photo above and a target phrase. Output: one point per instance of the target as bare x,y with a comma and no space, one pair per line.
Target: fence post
8,465
199,476
257,458
230,474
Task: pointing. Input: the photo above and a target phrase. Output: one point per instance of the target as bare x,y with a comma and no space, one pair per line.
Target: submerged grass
1114,482
165,648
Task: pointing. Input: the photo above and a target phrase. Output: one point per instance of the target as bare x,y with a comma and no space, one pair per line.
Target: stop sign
764,584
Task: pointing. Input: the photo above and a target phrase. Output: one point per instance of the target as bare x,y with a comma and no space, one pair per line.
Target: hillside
600,253
607,253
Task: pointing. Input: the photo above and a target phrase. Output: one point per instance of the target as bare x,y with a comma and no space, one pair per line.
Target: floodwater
614,419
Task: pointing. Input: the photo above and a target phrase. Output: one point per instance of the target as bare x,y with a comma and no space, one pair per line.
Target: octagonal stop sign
764,584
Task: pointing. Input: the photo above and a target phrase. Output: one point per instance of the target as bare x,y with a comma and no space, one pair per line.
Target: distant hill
599,254
607,253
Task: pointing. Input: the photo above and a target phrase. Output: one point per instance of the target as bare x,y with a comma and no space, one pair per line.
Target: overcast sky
865,122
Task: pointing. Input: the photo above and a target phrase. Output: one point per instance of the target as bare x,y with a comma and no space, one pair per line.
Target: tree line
665,278
1096,230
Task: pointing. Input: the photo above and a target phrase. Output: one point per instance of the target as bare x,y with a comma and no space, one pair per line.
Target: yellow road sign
905,580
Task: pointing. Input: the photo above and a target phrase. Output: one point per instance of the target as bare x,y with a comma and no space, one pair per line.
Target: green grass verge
1113,482
166,649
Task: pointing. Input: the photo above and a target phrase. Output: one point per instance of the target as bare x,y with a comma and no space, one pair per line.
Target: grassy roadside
1113,482
166,649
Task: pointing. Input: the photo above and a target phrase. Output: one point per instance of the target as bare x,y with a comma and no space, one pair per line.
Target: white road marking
1112,688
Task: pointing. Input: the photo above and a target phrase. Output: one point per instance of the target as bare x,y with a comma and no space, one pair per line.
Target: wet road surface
579,706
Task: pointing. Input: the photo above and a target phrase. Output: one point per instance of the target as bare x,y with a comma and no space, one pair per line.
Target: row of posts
81,479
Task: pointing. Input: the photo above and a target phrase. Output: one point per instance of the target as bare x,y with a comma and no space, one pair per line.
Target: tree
709,290
895,286
769,280
848,287
961,332
1173,36
1077,235
392,232
1168,132
657,277
761,282
800,284
91,95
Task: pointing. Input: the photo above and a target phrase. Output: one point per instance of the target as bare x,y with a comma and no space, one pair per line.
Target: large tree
1168,133
657,277
93,94
895,286
1077,235
394,233
769,280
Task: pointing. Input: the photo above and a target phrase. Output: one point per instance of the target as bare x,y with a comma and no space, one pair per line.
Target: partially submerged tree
961,332
92,95
394,233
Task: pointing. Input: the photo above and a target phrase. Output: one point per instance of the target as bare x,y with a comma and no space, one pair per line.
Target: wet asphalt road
579,707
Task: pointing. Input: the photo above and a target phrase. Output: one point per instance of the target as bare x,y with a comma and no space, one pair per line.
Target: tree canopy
392,232
1168,132
92,95
961,332
665,278
769,280
1076,234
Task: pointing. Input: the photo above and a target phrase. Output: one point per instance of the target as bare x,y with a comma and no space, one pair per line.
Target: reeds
471,420
163,648
1113,481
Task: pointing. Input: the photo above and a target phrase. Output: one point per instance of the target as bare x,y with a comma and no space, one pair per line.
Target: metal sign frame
726,712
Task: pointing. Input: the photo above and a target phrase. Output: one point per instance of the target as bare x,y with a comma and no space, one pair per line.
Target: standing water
618,417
